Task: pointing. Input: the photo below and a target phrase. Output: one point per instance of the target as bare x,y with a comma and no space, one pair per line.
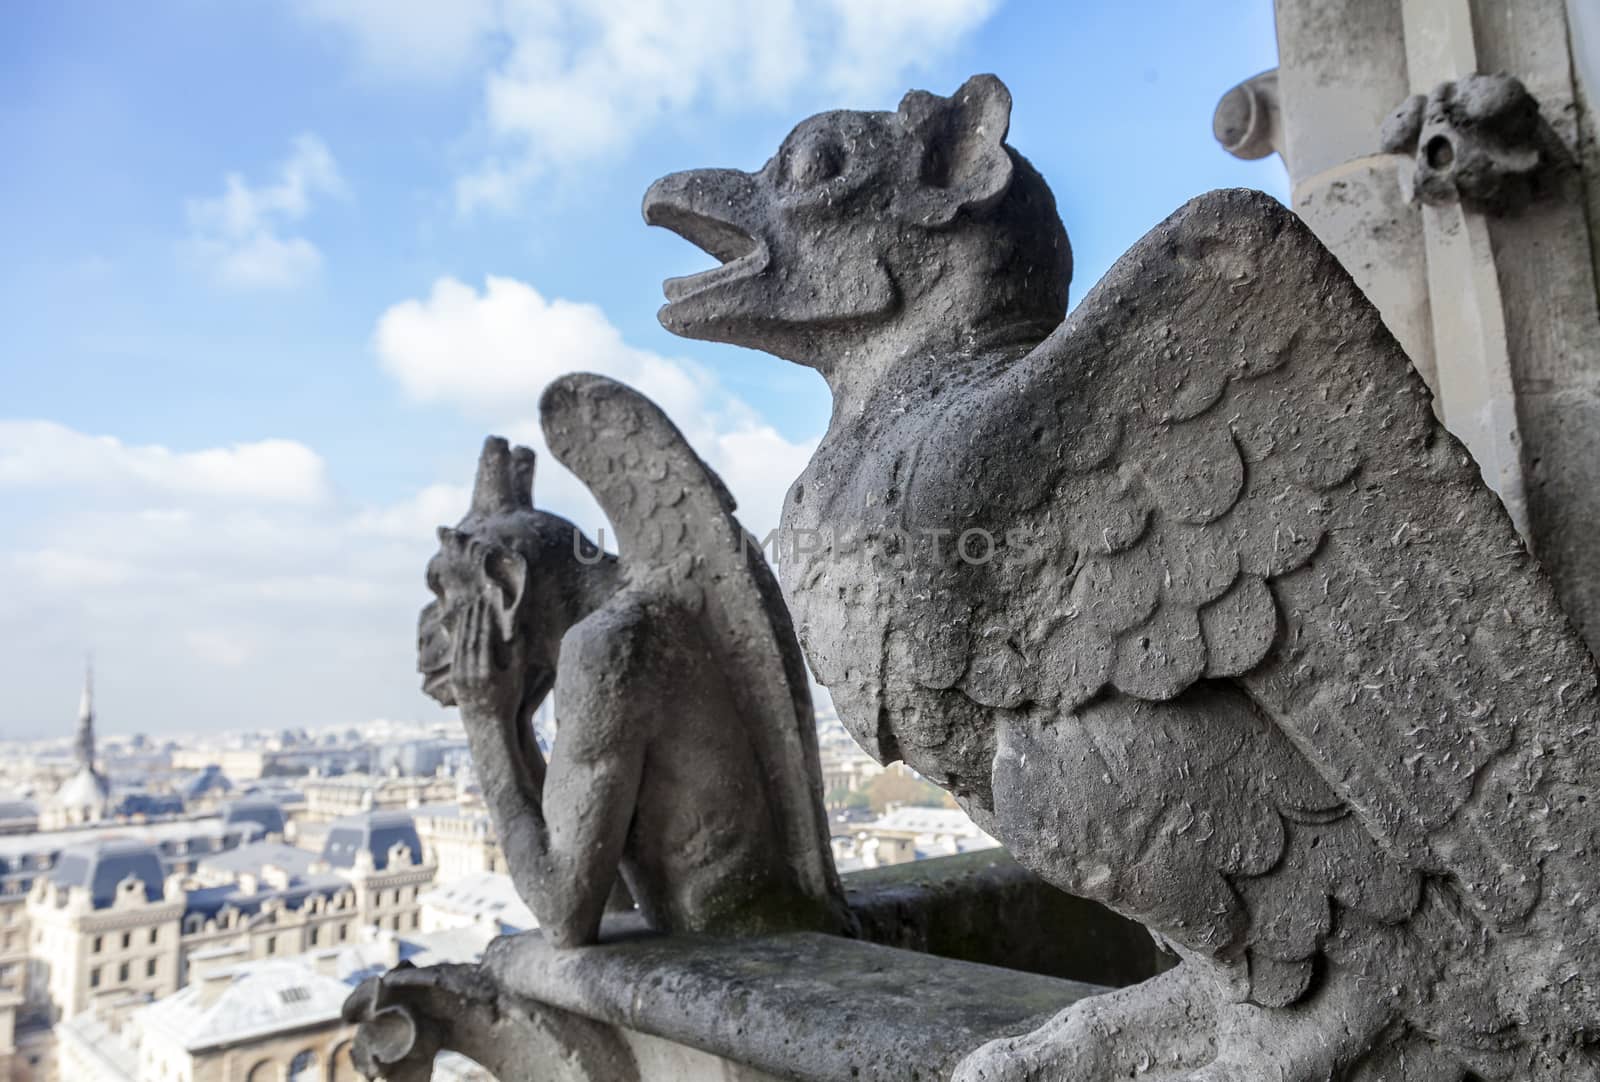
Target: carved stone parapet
406,1017
667,1007
798,1006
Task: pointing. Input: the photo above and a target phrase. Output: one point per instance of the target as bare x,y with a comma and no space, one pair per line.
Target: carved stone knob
1246,119
388,1042
1479,140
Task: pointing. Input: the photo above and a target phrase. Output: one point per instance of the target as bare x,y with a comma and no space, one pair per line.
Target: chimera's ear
965,164
506,574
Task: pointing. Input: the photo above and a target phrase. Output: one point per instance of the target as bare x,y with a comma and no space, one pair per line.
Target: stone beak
719,211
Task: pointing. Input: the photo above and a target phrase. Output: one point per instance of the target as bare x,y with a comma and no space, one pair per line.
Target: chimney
326,963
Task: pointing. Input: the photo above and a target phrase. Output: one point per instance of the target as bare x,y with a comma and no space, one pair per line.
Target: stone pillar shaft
1498,312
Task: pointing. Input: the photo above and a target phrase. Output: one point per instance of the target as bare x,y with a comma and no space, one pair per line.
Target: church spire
85,749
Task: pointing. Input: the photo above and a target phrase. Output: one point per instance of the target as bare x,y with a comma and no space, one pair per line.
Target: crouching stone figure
686,755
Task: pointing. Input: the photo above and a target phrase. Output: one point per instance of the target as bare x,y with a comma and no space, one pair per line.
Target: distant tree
901,785
840,798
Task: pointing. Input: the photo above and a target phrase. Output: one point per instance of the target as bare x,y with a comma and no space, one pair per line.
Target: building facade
112,923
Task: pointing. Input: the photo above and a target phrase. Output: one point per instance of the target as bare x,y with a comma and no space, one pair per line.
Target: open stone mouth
741,254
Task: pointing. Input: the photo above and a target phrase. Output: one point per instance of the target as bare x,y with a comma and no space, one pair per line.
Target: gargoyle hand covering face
521,563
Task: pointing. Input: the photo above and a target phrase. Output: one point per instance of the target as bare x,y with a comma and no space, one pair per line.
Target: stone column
1517,294
1473,392
1497,311
1341,70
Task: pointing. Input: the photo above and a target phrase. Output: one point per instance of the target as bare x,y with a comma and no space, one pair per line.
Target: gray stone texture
1497,312
1243,646
798,1006
985,907
1478,139
687,757
920,990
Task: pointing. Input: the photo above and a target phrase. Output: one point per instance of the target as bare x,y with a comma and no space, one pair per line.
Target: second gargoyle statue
686,765
1187,598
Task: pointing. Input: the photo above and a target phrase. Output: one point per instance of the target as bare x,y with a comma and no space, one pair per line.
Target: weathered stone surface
407,1016
974,908
687,756
1479,139
1243,646
799,1006
1246,121
985,907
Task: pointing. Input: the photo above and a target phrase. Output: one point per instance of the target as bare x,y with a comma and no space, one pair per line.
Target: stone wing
676,532
1228,470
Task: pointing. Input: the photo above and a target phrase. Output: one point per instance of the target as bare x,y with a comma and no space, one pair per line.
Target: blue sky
275,268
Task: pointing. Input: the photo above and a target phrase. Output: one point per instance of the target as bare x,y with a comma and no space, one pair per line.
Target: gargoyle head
868,229
533,568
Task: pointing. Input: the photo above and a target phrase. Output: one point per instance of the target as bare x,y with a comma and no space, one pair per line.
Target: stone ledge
801,1006
985,907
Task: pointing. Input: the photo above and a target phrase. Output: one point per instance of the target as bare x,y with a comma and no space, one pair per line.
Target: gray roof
208,780
447,946
262,998
18,809
87,788
482,895
375,832
24,857
209,901
264,812
256,856
100,866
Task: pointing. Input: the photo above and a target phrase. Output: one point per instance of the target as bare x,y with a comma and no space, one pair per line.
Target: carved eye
815,161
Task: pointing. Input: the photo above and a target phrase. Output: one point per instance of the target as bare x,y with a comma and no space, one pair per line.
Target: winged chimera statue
1235,641
686,759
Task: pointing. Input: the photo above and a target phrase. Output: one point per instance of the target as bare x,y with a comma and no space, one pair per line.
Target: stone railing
952,952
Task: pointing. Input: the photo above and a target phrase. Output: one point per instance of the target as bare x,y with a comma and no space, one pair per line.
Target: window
155,934
150,967
94,977
272,944
98,943
416,920
313,936
122,973
127,940
304,1067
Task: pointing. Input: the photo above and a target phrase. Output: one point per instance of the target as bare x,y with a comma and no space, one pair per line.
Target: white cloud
48,455
490,353
239,234
434,506
233,587
219,587
423,39
572,80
